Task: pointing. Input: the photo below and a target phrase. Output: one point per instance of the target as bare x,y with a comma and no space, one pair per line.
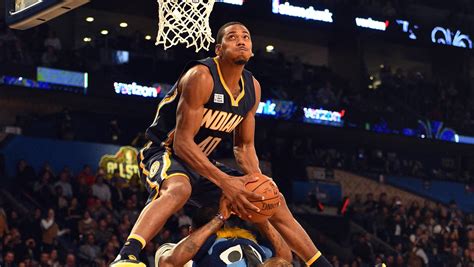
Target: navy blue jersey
222,113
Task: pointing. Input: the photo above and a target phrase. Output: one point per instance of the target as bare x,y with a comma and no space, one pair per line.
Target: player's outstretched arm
244,135
189,247
196,87
282,250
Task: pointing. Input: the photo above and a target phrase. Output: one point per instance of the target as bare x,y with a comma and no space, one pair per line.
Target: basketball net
184,21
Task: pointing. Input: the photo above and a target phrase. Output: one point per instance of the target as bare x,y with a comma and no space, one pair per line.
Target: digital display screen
64,77
277,108
21,5
302,10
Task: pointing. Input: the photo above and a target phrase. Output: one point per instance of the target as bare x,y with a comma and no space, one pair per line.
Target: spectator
31,227
50,230
101,190
65,184
87,225
3,223
103,233
53,259
364,249
325,96
9,259
70,260
89,252
43,188
87,175
52,41
149,251
130,210
31,251
44,259
183,219
49,57
110,252
25,173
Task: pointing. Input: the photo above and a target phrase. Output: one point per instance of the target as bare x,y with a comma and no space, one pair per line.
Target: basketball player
213,99
212,244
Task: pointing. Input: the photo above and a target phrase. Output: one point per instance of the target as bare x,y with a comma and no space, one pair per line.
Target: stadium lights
87,39
90,19
269,48
104,32
123,25
147,37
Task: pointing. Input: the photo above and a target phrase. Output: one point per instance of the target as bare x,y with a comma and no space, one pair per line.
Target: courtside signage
124,161
309,13
136,90
372,24
266,108
445,36
232,2
322,116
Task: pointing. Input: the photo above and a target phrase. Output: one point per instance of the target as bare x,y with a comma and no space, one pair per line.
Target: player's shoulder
198,74
199,71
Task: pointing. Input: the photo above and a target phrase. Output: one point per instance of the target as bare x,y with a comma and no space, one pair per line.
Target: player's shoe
130,262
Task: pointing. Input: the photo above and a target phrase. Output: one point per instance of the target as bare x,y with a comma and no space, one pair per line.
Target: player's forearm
246,158
193,156
282,250
188,247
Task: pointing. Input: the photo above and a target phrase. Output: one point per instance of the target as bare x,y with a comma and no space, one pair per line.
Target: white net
184,21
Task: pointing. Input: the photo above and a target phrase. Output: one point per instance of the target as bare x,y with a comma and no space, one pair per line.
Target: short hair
276,262
220,33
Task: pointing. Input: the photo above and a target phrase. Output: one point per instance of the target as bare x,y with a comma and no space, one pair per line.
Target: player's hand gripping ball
264,186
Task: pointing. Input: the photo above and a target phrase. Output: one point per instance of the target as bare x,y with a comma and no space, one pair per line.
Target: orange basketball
267,188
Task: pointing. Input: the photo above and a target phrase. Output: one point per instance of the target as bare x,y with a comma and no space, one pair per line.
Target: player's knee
178,188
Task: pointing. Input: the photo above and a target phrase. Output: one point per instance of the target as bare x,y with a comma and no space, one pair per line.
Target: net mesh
184,21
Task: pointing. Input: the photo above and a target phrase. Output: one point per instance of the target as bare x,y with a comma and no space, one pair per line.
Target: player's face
236,44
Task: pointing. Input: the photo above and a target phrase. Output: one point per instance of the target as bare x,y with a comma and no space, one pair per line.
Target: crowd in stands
421,234
368,161
76,220
62,219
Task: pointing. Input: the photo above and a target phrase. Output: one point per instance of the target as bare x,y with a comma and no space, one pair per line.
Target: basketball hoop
184,21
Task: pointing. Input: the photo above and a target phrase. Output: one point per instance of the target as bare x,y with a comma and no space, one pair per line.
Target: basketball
265,186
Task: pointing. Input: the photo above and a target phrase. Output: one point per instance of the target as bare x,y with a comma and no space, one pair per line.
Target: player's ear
218,49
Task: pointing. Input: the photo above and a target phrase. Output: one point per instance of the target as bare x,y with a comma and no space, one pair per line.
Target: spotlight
269,48
104,32
147,37
123,25
90,19
87,39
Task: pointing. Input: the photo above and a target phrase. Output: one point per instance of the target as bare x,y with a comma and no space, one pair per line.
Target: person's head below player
202,216
233,43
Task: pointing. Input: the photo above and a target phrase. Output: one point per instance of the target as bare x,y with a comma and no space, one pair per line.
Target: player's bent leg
294,234
174,193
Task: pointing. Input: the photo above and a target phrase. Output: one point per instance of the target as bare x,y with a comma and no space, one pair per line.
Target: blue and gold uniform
222,114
